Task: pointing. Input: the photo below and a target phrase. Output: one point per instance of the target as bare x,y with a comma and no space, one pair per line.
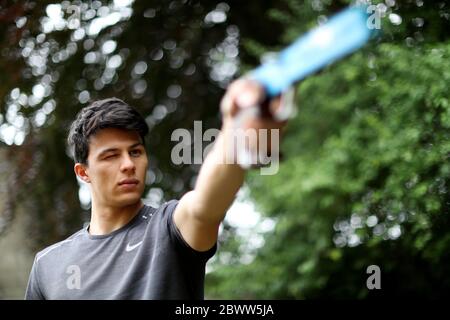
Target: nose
127,164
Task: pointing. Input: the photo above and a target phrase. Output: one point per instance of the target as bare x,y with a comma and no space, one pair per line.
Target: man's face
117,165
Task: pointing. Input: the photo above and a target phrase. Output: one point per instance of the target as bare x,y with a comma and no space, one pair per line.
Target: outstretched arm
200,211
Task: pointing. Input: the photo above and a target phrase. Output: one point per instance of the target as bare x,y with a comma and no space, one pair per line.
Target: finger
275,105
249,96
242,93
246,93
228,105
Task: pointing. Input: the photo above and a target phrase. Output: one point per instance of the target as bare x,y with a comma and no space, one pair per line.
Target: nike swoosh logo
132,247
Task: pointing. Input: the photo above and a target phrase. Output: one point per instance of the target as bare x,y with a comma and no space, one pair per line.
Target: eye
111,156
135,153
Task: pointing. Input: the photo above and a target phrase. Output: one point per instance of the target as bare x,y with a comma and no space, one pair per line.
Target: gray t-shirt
145,259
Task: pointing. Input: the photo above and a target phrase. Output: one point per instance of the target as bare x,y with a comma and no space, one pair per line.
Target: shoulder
61,245
203,246
163,211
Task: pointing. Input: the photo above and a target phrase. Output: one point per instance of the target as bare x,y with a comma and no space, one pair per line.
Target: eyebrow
115,149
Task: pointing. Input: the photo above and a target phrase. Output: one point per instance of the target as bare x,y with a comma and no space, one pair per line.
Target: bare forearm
218,181
200,211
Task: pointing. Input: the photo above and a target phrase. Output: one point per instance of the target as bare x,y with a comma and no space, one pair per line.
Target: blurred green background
366,172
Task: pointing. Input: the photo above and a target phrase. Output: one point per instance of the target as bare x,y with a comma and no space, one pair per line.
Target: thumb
248,98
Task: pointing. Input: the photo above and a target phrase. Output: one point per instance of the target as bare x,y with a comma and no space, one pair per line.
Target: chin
128,200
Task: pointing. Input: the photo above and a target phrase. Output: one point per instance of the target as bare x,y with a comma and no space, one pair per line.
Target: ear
81,171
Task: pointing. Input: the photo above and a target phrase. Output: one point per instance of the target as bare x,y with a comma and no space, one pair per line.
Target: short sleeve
33,291
178,239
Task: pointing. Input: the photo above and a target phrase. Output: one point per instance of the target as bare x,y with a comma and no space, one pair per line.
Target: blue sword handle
343,34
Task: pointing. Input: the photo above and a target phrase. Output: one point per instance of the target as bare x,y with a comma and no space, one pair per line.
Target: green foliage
365,182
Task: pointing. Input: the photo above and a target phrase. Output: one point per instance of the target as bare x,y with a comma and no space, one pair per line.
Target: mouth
128,182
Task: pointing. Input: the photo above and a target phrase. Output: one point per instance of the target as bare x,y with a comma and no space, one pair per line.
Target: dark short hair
102,114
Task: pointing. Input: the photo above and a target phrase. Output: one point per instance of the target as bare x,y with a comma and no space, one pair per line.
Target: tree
366,177
170,60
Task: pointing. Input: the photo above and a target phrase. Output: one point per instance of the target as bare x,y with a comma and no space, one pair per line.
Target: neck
105,220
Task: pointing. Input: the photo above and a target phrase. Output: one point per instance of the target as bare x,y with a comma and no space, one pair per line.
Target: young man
130,250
